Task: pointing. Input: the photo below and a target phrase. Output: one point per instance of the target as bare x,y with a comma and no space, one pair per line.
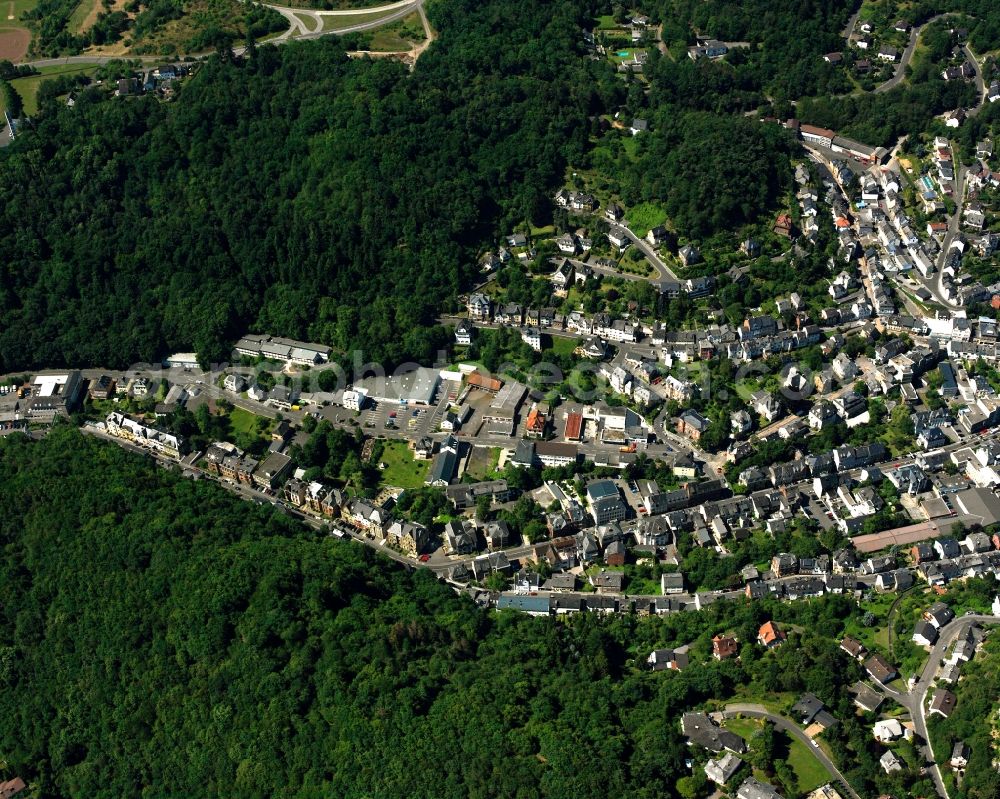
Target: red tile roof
574,426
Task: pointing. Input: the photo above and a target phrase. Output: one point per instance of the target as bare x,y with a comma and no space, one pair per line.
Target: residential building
770,636
754,789
700,730
159,442
479,307
692,424
410,538
463,332
943,702
879,669
724,647
960,754
924,633
672,659
890,763
102,388
724,769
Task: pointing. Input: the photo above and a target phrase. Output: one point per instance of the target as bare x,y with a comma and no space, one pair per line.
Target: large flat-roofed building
502,411
555,453
980,503
181,360
271,470
817,135
53,394
416,387
282,349
605,502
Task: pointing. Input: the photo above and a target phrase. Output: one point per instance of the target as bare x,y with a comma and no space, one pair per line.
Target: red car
424,558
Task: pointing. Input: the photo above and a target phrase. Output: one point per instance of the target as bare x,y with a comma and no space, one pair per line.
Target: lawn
401,469
333,22
644,216
631,146
808,770
28,87
641,268
607,23
641,586
241,421
80,15
562,345
539,232
745,728
15,9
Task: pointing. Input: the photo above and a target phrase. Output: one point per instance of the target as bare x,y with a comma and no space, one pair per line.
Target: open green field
398,36
563,346
745,728
400,468
17,8
808,770
645,216
539,232
631,146
81,13
28,87
241,421
334,22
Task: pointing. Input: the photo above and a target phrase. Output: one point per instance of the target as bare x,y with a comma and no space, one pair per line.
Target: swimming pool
622,54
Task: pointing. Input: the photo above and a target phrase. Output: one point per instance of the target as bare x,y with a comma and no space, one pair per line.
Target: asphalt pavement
793,729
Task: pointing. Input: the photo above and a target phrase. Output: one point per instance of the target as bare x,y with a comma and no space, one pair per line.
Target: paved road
612,272
654,257
849,27
793,729
954,226
916,700
980,82
904,60
402,10
296,25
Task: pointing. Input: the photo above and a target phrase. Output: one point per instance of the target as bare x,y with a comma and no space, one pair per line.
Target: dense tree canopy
712,172
296,191
158,635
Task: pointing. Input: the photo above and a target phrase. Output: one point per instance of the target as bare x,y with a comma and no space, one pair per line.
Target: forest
302,193
294,191
158,633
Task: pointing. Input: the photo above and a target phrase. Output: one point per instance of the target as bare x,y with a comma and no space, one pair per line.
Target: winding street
654,258
297,31
793,729
904,60
295,17
915,700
